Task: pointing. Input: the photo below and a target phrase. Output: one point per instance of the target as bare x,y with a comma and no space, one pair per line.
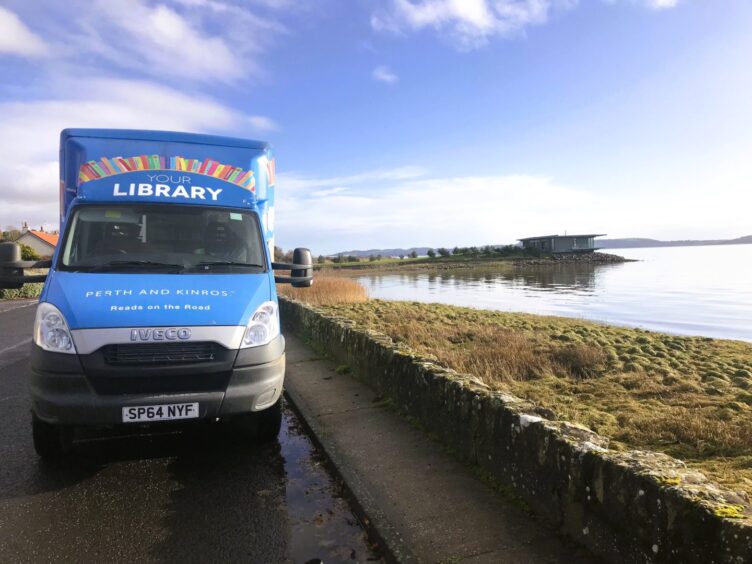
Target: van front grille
158,353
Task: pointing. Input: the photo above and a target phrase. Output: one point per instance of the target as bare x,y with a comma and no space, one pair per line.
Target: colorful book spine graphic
243,180
109,166
122,164
234,174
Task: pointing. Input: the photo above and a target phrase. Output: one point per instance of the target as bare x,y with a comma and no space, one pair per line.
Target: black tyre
270,422
263,426
50,441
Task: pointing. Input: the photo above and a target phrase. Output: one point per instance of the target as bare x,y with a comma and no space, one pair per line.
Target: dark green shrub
28,291
27,253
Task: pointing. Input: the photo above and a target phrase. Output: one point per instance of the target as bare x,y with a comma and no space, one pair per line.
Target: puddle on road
322,523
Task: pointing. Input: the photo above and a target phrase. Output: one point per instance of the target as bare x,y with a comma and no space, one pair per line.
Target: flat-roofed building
562,243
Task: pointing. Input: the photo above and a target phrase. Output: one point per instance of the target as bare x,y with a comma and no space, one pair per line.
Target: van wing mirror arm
289,266
291,279
12,267
294,280
15,281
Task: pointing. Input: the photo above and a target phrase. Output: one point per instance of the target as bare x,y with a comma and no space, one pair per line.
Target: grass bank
689,397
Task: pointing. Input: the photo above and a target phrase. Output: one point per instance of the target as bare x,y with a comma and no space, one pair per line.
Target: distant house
42,242
562,243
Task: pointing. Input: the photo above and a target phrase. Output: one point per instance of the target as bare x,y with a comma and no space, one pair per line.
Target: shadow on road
227,504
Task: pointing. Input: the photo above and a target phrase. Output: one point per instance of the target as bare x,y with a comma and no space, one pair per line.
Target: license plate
164,412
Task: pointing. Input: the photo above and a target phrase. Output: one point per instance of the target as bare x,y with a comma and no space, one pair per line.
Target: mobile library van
160,301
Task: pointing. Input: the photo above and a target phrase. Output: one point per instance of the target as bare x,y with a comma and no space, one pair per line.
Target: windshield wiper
206,265
114,264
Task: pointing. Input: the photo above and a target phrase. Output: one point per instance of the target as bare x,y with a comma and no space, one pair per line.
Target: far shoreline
467,261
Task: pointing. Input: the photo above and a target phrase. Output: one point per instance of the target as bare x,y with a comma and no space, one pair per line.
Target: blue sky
409,122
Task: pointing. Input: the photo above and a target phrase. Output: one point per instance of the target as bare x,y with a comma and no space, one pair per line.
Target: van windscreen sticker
95,170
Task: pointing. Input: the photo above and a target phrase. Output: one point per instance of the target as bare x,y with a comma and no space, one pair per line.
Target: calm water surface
683,290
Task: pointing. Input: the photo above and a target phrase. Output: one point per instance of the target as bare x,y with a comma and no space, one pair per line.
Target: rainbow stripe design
95,170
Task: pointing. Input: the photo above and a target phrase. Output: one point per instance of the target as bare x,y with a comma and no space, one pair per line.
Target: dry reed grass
498,354
326,290
581,360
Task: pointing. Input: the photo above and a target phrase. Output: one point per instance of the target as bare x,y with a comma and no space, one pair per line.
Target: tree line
489,251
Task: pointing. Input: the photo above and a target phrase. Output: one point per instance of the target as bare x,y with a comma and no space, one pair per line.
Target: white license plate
164,412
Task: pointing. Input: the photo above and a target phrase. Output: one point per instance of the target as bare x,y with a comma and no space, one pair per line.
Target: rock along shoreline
573,258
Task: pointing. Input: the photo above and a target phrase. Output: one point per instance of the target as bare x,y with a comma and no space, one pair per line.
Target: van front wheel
263,426
50,441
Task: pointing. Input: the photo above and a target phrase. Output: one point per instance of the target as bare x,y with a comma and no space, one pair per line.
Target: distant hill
384,252
636,242
627,243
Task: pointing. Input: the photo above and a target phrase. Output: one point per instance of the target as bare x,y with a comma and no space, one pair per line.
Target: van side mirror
302,277
12,267
10,274
10,252
301,269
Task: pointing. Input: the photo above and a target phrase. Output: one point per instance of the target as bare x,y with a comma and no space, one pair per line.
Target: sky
400,123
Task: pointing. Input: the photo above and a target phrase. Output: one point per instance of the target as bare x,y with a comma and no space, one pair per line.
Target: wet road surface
202,495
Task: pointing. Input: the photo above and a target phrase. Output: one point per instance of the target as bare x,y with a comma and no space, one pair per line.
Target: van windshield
164,238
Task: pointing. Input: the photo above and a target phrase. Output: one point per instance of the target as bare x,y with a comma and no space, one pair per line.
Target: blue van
160,302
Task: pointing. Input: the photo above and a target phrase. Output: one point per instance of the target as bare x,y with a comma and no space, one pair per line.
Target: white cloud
225,6
330,191
262,124
161,40
16,38
30,131
662,4
303,184
469,24
383,74
201,41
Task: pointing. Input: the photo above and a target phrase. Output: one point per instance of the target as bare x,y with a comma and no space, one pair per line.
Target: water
683,290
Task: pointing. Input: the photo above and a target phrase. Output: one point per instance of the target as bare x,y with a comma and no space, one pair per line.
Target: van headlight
51,331
263,326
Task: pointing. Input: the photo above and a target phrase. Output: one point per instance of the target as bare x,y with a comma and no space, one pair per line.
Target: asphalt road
199,496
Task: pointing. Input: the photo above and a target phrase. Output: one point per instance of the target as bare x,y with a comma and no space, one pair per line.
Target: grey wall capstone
632,506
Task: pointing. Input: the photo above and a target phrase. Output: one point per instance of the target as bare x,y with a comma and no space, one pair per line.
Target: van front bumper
62,390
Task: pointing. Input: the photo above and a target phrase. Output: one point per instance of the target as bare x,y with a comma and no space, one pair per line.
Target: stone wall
628,507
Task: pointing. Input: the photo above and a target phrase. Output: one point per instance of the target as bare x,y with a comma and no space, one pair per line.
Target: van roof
165,136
